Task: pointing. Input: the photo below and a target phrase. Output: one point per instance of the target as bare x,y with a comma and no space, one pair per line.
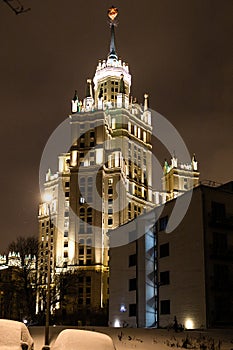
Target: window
80,301
132,284
67,184
110,221
66,234
92,144
88,290
165,307
92,134
132,260
164,250
66,244
164,277
67,194
65,255
220,243
110,191
163,223
88,301
218,211
88,279
132,310
80,290
81,250
88,262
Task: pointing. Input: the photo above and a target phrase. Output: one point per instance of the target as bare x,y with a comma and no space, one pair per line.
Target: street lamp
47,200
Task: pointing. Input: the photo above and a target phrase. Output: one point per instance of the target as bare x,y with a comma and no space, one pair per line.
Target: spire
112,14
89,92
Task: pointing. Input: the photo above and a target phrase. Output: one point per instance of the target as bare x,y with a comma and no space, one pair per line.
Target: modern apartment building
187,273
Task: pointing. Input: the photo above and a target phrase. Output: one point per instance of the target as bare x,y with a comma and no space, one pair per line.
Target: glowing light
112,13
47,197
189,324
123,308
117,323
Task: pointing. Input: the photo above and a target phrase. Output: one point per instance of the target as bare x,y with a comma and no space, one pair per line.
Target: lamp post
48,291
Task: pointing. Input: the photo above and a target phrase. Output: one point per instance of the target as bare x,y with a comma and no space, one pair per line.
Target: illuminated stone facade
104,181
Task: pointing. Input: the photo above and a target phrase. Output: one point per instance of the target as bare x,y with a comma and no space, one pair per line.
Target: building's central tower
106,176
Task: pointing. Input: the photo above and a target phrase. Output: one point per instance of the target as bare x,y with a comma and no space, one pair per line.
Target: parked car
14,335
75,339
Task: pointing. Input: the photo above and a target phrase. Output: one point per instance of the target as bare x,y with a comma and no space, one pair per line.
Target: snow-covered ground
150,339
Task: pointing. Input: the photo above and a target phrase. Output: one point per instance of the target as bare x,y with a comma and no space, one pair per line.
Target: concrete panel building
187,273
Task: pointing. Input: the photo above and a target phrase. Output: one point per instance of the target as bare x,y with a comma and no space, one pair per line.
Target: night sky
179,51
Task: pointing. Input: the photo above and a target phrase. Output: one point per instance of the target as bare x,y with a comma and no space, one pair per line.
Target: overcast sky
179,51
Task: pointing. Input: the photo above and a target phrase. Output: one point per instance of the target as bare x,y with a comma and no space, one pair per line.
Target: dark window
110,200
88,290
110,191
67,194
65,255
218,211
88,262
81,250
110,221
221,276
92,134
132,310
65,234
132,260
80,279
65,244
165,307
80,301
164,250
66,214
220,243
82,145
132,284
88,251
164,277
163,223
92,144
88,279
80,290
88,301
67,184
81,263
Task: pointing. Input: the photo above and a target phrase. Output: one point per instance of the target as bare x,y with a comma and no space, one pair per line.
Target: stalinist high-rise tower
102,182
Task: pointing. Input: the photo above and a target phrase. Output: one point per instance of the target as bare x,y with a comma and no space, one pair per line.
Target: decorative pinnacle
112,13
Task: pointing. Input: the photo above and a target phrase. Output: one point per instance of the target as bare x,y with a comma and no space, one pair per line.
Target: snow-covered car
76,339
14,335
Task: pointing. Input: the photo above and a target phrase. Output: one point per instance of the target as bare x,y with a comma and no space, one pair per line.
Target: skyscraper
104,180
